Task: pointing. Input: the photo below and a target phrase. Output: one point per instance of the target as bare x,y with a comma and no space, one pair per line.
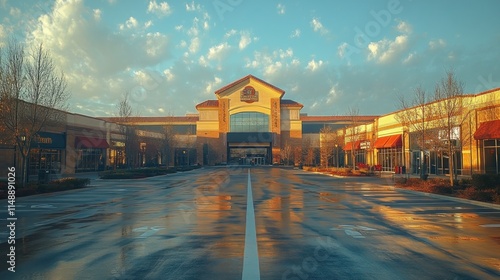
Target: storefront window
390,158
491,156
249,122
44,159
90,159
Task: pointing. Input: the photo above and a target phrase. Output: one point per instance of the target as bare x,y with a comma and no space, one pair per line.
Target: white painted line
491,225
251,270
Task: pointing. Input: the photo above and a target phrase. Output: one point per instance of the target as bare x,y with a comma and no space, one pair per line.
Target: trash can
43,176
396,169
403,169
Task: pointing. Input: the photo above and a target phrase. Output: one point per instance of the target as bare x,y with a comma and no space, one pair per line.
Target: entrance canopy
488,130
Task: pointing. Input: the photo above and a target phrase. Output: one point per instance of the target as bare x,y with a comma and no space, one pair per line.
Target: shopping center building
249,121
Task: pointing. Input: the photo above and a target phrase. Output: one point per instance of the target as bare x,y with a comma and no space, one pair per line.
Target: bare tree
327,144
32,96
125,113
168,144
286,152
453,108
415,115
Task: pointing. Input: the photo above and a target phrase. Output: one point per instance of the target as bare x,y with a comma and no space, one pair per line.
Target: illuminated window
249,122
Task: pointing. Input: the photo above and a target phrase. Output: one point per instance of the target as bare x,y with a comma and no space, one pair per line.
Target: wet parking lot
196,225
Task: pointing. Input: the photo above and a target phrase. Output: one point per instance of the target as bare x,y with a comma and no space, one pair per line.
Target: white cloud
212,85
168,74
129,24
217,52
314,65
404,27
230,33
15,12
195,45
385,50
161,10
341,50
295,33
318,26
333,94
410,58
193,7
437,44
98,62
245,40
281,9
3,35
273,68
97,14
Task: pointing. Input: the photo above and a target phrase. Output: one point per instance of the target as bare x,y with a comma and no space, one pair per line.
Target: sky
330,56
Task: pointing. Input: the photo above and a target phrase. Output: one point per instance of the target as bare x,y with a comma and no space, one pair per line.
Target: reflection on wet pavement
192,226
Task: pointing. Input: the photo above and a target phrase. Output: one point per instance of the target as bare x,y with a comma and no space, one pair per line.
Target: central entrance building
248,123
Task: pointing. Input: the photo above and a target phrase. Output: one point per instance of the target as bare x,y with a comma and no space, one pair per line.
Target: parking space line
251,270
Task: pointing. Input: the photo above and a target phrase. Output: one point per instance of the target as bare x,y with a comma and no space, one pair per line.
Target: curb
451,198
433,195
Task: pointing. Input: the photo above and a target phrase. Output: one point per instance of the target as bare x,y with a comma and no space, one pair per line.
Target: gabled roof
208,104
290,103
248,77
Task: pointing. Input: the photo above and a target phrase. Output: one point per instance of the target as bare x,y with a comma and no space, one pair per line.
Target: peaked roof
208,104
248,77
290,103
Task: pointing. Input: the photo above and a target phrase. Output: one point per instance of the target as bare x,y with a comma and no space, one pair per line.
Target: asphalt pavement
248,223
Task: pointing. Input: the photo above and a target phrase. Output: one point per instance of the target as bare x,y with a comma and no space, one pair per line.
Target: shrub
63,184
139,172
475,194
486,181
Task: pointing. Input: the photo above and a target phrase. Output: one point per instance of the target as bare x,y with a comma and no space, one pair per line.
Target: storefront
47,152
90,153
359,152
488,135
116,154
390,152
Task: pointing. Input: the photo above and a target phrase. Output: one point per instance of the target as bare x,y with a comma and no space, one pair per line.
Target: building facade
249,122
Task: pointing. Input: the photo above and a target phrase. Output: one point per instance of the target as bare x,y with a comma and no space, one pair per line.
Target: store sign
249,95
365,145
47,140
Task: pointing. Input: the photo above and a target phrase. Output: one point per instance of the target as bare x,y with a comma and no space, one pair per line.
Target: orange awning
488,130
380,142
348,146
82,142
393,142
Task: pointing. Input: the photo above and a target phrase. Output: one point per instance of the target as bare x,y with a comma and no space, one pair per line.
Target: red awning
82,142
380,142
393,142
488,130
348,146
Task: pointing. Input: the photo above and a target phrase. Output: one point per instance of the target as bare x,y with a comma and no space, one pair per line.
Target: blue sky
328,55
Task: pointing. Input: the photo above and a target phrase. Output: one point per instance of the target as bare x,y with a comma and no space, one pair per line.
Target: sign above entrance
249,95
